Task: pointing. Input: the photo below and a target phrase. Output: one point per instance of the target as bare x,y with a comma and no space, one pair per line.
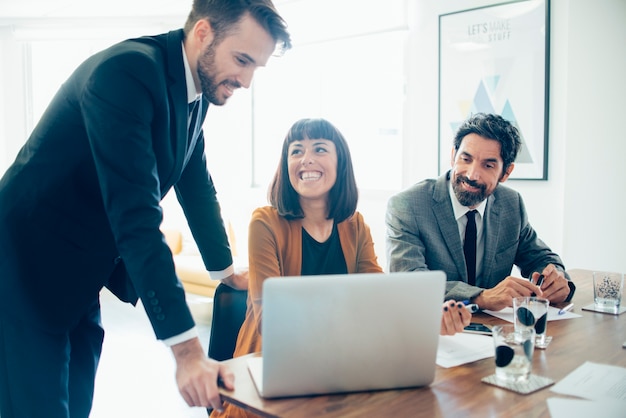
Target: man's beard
206,71
467,198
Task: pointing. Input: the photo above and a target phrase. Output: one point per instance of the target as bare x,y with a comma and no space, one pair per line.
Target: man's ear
203,31
197,40
507,173
452,155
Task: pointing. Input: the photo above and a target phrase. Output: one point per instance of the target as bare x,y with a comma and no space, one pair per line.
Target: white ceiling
60,19
29,9
26,9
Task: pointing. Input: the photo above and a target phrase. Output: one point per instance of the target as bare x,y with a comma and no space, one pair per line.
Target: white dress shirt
461,221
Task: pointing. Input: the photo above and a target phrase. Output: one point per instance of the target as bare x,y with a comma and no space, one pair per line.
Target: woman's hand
455,318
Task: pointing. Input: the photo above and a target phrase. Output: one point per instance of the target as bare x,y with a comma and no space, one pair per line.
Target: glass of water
532,312
514,352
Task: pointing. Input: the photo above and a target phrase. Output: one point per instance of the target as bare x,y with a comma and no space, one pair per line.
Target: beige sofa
189,266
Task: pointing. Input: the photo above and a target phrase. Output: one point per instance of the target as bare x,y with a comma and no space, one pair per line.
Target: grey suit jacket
422,234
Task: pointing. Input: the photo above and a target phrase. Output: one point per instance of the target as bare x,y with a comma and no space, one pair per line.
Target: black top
322,257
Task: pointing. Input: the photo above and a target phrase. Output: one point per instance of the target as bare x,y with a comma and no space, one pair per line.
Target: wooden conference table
594,337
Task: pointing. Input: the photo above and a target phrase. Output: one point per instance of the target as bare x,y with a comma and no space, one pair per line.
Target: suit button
157,309
117,260
160,317
150,293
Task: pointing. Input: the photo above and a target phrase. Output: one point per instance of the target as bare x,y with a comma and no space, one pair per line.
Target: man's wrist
182,337
229,281
478,299
187,349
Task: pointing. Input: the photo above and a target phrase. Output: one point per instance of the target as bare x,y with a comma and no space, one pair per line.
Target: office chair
229,311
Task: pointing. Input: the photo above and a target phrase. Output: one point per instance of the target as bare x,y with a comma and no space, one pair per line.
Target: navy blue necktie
469,247
192,121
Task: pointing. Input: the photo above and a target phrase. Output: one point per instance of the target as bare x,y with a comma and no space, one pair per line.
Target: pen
538,284
565,309
472,307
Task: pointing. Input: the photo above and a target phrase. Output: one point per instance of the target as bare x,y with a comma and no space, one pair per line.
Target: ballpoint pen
538,284
565,309
472,307
540,280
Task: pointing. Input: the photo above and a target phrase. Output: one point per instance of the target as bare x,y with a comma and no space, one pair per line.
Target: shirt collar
459,209
192,93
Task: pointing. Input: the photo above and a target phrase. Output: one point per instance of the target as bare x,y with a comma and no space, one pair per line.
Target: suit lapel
449,230
177,87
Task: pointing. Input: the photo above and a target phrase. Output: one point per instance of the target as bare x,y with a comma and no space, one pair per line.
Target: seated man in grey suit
426,224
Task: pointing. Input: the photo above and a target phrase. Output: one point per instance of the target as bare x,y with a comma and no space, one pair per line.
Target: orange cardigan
275,249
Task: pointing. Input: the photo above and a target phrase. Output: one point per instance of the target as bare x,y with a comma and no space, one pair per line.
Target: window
49,68
356,83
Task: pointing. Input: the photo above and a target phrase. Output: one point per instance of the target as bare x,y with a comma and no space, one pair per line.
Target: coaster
533,384
592,308
545,345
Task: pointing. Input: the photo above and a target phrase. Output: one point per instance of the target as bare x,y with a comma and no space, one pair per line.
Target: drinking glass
607,291
514,352
532,312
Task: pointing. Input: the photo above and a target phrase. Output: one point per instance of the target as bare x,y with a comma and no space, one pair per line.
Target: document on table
597,382
462,348
553,314
582,408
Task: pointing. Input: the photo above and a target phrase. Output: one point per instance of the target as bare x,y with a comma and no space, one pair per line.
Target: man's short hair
224,16
493,127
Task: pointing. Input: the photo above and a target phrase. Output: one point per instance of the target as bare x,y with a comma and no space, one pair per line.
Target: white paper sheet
553,314
594,381
580,408
255,366
462,348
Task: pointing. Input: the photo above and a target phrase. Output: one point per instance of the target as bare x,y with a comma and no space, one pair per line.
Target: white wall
594,109
586,140
12,102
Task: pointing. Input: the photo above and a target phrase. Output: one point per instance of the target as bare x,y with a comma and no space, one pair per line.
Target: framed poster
495,59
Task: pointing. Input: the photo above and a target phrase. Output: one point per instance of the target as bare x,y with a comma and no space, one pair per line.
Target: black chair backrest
229,312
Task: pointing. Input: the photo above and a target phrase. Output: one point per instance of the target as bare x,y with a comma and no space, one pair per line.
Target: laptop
348,333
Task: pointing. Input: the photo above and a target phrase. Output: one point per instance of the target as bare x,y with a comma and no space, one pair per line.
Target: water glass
607,291
514,352
532,312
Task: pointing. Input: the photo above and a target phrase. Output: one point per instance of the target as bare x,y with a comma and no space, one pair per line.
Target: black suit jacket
80,206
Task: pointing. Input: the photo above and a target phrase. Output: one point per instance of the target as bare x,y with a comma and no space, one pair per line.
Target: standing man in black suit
80,206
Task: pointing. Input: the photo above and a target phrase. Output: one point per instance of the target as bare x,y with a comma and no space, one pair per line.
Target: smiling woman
312,167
